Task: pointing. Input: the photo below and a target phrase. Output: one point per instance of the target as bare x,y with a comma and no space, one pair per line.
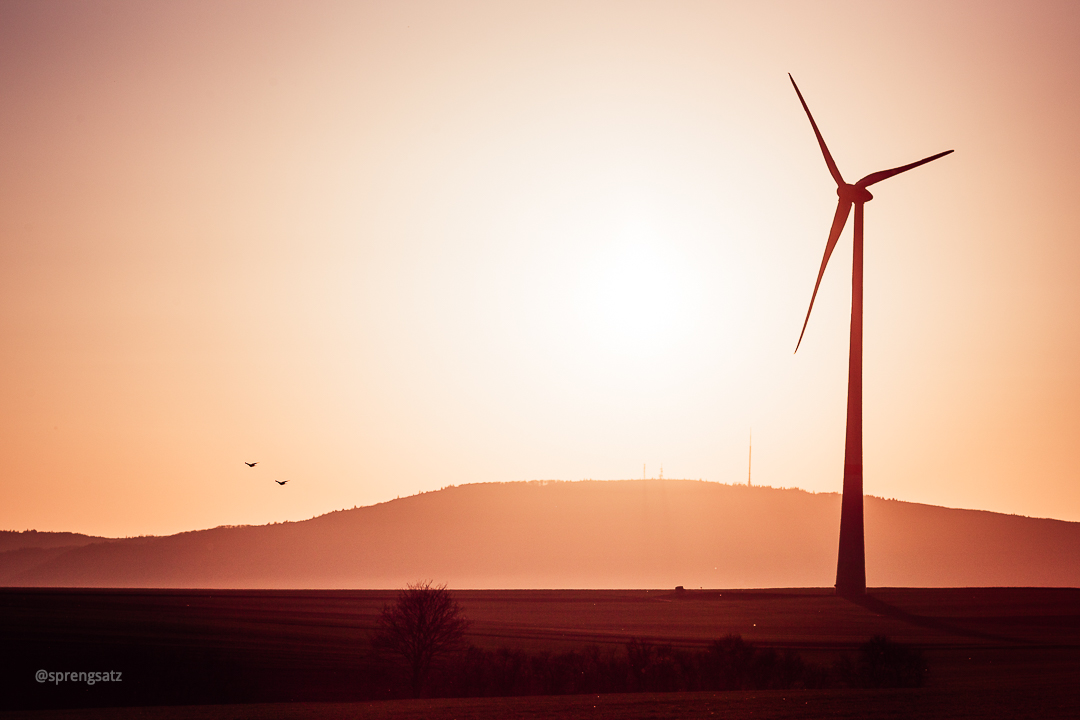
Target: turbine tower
851,559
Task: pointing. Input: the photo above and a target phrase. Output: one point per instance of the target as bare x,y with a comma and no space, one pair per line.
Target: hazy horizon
588,534
382,248
536,481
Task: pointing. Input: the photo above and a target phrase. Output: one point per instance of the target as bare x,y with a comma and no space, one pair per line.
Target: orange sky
386,247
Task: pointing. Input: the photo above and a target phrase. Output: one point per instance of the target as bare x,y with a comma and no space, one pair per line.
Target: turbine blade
833,170
842,210
886,174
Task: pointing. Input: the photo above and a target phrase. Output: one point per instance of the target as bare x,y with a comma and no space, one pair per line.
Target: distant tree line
730,663
424,632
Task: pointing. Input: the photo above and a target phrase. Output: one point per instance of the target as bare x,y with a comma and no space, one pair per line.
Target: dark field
991,652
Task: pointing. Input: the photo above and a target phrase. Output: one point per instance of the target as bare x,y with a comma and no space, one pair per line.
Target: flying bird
251,464
281,482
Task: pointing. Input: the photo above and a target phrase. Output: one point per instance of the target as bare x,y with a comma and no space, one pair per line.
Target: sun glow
486,241
638,296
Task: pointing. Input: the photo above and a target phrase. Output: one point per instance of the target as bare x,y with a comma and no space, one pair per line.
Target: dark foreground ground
992,652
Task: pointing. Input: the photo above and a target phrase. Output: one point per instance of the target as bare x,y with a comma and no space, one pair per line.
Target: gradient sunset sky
385,247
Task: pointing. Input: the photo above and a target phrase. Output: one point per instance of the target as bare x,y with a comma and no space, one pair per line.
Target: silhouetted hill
591,534
12,540
23,551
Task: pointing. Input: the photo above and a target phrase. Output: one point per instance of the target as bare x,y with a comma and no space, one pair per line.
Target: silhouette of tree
424,623
884,663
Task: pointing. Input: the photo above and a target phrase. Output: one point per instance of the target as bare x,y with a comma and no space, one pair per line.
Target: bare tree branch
424,623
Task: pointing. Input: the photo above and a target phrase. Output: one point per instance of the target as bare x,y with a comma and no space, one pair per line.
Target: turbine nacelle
853,194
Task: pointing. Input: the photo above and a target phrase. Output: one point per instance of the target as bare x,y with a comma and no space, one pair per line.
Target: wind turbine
851,559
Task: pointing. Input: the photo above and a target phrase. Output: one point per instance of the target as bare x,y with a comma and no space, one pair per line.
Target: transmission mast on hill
750,462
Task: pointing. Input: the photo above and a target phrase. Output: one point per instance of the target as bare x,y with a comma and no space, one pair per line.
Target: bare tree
424,623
